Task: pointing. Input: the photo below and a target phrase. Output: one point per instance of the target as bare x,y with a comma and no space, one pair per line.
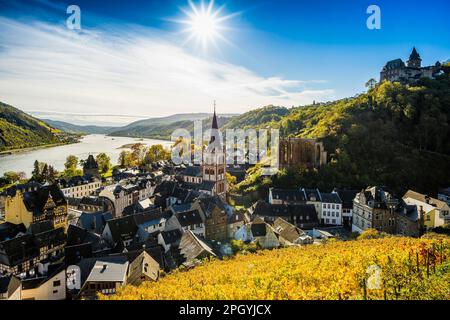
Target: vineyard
388,268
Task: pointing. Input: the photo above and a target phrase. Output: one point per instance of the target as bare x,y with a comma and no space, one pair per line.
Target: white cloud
45,67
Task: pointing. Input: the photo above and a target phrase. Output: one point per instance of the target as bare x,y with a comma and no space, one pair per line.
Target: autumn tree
125,159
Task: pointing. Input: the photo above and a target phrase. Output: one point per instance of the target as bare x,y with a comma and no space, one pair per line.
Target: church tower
414,59
214,166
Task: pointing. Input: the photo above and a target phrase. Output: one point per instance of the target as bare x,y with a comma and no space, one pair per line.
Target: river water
56,156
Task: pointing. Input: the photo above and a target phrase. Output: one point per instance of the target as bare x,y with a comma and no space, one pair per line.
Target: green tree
371,83
104,162
71,162
11,177
125,159
156,153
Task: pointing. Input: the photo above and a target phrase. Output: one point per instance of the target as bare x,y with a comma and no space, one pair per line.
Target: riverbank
56,154
44,146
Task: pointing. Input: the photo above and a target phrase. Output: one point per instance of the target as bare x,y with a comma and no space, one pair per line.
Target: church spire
214,121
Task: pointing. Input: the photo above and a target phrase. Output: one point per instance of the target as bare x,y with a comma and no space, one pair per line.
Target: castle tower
414,59
214,166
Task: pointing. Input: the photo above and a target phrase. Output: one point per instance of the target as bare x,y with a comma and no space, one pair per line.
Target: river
56,156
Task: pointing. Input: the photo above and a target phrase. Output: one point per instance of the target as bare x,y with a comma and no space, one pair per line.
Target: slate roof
306,211
22,187
91,201
288,194
191,247
33,283
410,212
330,197
193,171
18,250
9,284
35,200
172,236
207,186
189,218
149,218
123,228
394,64
312,194
347,197
39,227
287,230
74,254
94,221
258,229
9,230
208,204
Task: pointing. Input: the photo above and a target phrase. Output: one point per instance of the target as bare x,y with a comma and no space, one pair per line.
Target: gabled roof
94,221
426,199
33,283
414,55
207,186
39,227
149,218
141,263
189,218
304,212
394,64
288,194
192,171
172,236
287,230
123,228
330,197
312,194
35,200
347,197
191,247
18,250
9,284
9,230
107,269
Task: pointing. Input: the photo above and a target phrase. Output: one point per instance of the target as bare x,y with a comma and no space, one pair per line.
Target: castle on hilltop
397,71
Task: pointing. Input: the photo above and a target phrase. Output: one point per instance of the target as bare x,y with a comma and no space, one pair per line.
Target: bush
372,234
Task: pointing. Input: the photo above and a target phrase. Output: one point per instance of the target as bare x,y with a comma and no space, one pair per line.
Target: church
397,71
209,177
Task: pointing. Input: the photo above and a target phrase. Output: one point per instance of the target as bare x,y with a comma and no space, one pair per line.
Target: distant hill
162,128
73,128
20,130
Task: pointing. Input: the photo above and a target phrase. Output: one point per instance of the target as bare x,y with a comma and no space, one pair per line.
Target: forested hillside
20,130
395,135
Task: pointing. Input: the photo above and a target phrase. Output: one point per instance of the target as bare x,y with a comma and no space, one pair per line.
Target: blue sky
279,52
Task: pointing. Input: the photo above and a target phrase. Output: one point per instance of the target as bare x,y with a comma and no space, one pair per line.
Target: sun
204,23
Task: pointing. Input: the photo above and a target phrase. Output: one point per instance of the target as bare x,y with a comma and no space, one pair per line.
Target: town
88,235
